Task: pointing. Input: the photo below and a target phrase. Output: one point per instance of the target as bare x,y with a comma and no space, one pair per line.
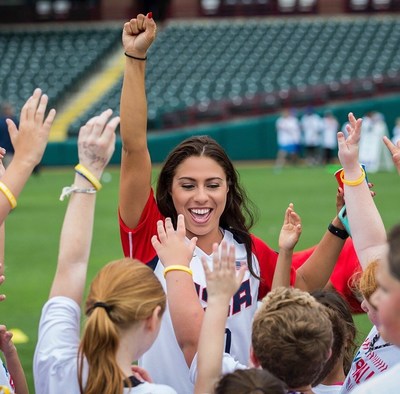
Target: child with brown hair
344,332
292,337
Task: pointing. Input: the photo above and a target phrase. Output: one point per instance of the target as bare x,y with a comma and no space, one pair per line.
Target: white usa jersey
165,361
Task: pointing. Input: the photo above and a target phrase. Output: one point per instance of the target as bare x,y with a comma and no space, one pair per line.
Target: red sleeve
345,267
136,243
267,258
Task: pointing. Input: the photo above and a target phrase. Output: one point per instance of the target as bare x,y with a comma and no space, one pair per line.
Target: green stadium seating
211,69
52,58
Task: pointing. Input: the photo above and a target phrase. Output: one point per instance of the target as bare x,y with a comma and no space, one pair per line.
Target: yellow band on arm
8,193
177,268
81,170
356,182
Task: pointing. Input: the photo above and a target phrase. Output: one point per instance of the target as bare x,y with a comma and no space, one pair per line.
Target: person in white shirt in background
372,152
330,127
311,127
288,137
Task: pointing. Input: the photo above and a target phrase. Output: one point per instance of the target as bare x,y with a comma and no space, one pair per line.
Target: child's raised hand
31,138
291,229
96,142
6,343
394,150
225,279
171,246
348,147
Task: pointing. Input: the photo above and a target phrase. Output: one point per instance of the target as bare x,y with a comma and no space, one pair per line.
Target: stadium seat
55,59
306,5
381,5
359,5
286,5
215,68
210,7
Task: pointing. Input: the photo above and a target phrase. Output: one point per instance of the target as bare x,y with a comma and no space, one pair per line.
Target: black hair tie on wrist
135,57
343,234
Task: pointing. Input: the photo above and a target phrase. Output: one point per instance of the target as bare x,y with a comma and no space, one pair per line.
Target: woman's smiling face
199,192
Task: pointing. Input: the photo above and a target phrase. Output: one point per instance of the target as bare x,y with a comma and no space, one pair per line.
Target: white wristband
68,190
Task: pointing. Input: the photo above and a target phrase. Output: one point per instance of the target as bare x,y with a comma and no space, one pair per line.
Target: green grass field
33,230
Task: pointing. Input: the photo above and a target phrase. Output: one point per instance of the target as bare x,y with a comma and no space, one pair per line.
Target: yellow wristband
356,182
8,193
81,170
177,268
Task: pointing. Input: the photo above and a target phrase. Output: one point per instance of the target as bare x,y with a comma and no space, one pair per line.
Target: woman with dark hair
199,181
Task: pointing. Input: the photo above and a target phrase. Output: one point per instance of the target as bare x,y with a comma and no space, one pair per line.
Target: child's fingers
295,218
216,258
205,266
286,218
109,130
41,108
223,260
341,140
390,145
155,242
180,226
193,243
240,274
161,231
169,228
352,118
99,124
32,104
12,129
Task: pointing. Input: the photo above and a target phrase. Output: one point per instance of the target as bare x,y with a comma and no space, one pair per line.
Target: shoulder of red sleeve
136,242
266,258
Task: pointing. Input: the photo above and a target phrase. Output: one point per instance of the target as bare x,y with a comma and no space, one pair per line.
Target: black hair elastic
101,304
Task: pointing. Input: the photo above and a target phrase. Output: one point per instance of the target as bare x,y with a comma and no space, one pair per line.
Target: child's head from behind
250,381
292,336
124,294
344,331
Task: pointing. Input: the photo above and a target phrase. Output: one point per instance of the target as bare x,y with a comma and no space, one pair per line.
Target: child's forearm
282,269
211,345
16,371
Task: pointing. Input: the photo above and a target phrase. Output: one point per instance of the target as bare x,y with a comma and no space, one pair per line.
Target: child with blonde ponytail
124,306
124,298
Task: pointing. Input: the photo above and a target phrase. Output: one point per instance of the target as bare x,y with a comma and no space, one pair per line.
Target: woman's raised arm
135,177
